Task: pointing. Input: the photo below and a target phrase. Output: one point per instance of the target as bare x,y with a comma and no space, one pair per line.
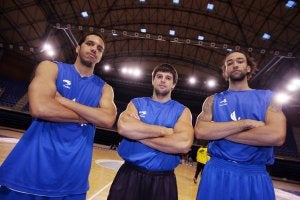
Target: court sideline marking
101,190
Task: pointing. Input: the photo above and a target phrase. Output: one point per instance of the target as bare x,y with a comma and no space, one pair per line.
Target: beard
161,93
237,77
87,63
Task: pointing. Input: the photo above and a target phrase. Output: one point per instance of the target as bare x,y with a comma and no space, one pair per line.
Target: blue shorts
8,194
226,180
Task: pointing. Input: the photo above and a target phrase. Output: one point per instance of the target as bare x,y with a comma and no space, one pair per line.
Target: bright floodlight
84,14
210,6
172,32
106,67
47,47
291,87
211,83
296,82
48,50
192,80
135,72
50,53
282,97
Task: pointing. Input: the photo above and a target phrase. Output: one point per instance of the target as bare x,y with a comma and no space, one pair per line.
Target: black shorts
135,183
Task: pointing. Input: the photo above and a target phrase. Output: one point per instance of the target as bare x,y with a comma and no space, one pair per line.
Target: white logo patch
233,116
223,102
143,113
67,83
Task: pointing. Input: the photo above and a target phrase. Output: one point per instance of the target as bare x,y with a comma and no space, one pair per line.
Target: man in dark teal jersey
242,125
156,131
67,101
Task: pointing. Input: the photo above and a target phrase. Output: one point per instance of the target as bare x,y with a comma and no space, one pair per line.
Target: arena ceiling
232,24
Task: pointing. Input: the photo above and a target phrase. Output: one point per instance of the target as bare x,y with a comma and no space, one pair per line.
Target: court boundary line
101,190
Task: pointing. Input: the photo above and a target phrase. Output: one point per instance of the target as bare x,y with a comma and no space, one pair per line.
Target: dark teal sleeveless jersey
54,159
156,113
238,105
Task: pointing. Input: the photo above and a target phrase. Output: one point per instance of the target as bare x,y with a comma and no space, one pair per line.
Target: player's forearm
218,130
135,129
175,143
99,116
51,110
261,136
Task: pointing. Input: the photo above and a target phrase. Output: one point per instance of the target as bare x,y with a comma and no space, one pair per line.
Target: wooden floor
106,162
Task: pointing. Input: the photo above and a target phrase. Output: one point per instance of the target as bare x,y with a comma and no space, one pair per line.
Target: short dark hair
165,67
83,37
249,59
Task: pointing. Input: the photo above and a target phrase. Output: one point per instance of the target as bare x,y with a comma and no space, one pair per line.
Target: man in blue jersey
156,130
242,125
67,101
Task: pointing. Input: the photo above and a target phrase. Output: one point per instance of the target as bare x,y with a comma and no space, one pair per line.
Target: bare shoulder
46,66
275,106
207,109
108,89
208,103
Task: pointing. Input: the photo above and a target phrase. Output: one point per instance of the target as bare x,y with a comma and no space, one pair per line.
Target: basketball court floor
106,162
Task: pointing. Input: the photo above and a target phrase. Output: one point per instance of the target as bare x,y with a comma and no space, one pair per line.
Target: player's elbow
37,111
186,145
200,133
122,128
108,122
280,140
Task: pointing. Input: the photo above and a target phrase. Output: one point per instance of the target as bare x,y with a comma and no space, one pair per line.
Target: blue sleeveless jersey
238,105
156,113
54,159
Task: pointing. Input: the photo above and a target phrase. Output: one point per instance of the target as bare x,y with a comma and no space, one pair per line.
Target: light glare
282,97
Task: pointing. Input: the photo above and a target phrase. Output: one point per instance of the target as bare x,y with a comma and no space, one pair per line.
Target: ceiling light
175,1
192,80
266,36
200,37
282,97
210,6
211,83
84,14
172,32
290,4
143,30
106,67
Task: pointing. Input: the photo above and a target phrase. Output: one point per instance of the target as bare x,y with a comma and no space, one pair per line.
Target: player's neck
84,71
239,85
161,98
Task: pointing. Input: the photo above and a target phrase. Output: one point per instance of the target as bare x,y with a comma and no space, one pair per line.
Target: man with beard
156,130
67,101
242,126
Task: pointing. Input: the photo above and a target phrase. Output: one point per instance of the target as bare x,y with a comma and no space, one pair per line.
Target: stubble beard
87,63
161,94
237,78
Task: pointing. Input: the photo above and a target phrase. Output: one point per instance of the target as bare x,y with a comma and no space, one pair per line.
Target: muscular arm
103,116
180,141
272,134
41,94
206,129
131,127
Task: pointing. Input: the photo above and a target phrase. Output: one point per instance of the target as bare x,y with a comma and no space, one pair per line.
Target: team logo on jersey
67,83
143,113
233,116
223,102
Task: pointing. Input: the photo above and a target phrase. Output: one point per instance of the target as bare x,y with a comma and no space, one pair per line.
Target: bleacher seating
11,91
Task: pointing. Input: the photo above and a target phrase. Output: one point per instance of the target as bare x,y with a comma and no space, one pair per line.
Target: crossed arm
247,131
45,103
169,140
